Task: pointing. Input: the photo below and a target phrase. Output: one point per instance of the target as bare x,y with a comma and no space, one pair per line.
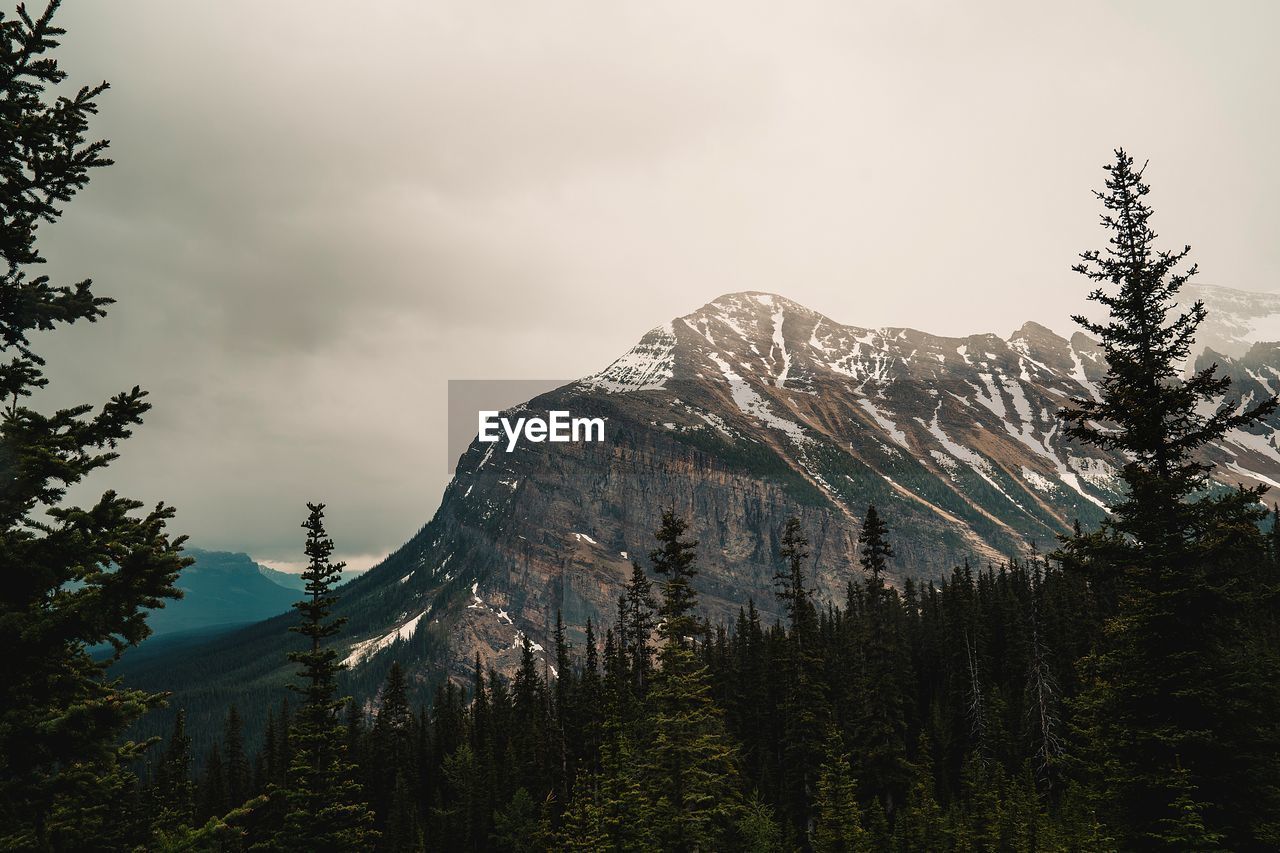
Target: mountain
1237,318
294,581
288,580
745,412
220,589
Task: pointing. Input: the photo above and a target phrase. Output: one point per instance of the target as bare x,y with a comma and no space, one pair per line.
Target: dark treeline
942,716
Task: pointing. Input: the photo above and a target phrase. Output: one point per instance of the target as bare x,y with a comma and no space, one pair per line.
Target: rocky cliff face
739,415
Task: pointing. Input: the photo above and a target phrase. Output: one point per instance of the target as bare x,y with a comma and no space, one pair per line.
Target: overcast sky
321,211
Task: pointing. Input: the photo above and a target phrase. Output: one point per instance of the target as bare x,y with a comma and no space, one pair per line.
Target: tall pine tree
74,577
390,758
173,790
692,764
1179,681
806,709
880,721
325,810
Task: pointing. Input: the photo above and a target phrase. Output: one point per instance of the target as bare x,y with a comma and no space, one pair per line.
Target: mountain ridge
740,414
221,588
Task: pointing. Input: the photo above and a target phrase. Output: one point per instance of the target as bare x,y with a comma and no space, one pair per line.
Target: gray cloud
321,212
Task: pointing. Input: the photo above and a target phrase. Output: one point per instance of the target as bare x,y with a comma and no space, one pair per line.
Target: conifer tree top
1147,410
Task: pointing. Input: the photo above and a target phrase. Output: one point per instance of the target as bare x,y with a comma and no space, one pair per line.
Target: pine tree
584,826
626,812
592,699
639,607
263,762
676,560
976,823
516,827
880,721
1079,828
692,768
1184,827
324,806
74,577
393,723
403,832
806,708
237,762
390,748
878,833
792,587
566,714
874,550
1178,678
1042,702
173,789
838,827
921,824
212,793
758,831
530,728
1274,539
462,816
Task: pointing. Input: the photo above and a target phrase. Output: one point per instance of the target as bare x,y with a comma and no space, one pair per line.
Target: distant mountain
221,589
294,581
1237,320
739,415
288,580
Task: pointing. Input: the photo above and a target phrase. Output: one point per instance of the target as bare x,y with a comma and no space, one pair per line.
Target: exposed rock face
738,416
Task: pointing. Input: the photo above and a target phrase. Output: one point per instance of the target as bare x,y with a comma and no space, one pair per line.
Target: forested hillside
954,716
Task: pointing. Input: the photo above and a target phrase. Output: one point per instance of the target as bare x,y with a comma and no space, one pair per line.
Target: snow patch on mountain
979,463
364,650
1079,376
751,403
1038,481
1098,473
647,366
946,462
780,345
898,436
519,642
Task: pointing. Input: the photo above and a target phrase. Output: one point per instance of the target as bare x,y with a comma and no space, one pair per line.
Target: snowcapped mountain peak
957,405
752,316
647,366
750,299
1237,318
748,411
